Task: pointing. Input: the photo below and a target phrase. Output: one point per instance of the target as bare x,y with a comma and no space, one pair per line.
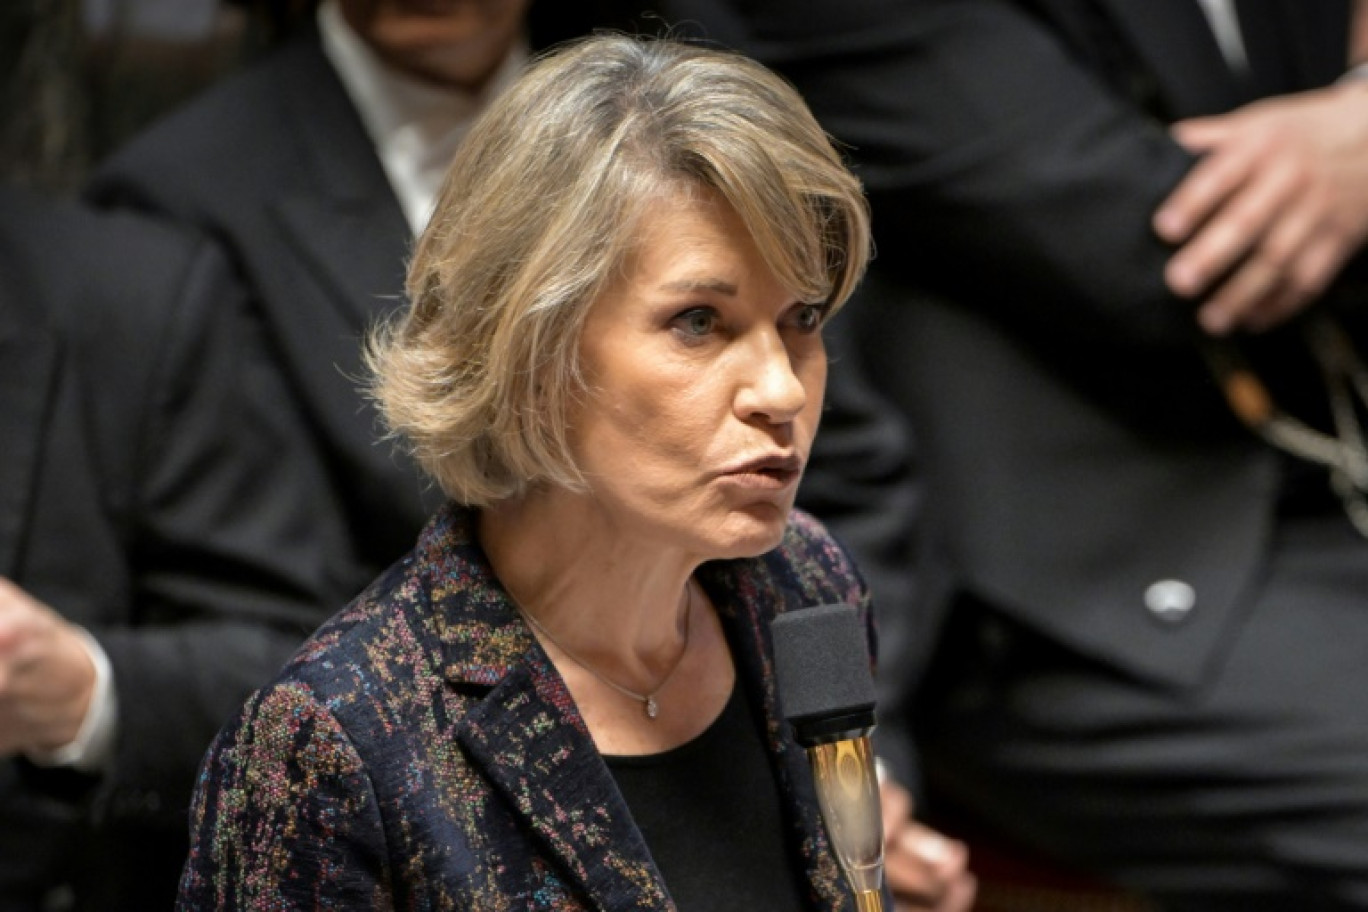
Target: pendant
652,708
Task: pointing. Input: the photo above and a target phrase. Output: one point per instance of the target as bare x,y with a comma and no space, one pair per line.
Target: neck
604,595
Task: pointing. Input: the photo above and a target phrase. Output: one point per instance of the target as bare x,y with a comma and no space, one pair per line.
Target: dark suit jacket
274,163
1075,450
422,752
150,492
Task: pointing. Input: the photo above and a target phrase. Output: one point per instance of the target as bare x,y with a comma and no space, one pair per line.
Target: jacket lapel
1193,79
529,729
352,262
346,244
346,221
526,735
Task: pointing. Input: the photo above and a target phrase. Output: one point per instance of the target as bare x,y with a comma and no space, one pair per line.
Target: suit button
1170,600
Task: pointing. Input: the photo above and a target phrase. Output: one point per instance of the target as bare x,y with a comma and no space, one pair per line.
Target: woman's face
706,379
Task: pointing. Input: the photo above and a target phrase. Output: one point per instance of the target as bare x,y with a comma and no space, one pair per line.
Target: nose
770,386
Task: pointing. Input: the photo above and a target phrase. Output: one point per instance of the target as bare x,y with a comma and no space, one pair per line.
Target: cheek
643,424
668,420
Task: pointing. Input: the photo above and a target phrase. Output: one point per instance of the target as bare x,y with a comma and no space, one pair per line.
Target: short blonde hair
539,214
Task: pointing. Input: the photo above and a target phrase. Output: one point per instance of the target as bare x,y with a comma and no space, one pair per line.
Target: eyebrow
687,285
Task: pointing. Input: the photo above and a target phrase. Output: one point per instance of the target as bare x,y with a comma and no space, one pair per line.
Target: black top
709,810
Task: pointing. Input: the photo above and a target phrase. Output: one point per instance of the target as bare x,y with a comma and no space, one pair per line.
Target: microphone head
822,668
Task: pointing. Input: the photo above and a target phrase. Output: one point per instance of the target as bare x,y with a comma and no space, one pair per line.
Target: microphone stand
826,688
848,793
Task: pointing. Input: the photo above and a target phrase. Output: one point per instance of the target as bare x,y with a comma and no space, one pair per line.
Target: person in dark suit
277,163
613,365
1138,638
160,550
315,167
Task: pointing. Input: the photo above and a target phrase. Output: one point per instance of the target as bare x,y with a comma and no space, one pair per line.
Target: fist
46,675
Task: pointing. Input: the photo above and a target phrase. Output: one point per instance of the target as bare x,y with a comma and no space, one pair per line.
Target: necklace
647,700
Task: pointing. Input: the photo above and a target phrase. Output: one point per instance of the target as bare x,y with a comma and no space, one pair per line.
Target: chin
750,535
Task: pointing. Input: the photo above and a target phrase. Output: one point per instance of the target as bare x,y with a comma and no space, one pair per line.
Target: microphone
826,690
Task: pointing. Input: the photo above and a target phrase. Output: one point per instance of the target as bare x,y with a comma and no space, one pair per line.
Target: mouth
772,471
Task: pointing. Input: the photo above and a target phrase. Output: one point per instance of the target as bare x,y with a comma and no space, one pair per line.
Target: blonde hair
538,215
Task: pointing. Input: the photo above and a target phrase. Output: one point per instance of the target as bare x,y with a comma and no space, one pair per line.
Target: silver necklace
647,700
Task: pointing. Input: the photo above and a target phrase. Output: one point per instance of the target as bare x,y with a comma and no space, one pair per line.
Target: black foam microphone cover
822,668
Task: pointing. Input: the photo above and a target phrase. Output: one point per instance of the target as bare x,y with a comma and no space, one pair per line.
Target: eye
696,322
808,318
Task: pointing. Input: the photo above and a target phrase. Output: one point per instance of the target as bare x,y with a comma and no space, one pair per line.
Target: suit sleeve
233,539
285,816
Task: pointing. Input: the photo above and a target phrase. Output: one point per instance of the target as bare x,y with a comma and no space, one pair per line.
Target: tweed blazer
422,752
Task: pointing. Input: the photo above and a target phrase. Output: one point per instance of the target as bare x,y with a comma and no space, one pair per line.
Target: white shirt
1225,24
414,125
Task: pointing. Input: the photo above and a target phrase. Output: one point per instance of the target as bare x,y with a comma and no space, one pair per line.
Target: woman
613,365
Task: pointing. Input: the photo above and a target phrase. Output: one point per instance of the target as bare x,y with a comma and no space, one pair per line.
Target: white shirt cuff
93,748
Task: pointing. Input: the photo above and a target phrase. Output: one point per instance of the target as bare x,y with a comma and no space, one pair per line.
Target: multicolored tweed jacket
421,752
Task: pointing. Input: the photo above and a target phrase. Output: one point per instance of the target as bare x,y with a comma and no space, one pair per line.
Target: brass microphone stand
848,794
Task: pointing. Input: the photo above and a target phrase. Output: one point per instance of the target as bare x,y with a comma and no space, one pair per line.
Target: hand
924,869
1277,204
46,675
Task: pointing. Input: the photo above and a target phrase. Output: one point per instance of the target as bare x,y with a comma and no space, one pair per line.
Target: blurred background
78,77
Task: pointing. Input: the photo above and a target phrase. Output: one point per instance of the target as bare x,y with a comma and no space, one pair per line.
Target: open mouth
771,472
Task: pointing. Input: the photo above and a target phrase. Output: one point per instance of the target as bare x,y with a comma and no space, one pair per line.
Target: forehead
680,225
684,240
686,215
692,252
